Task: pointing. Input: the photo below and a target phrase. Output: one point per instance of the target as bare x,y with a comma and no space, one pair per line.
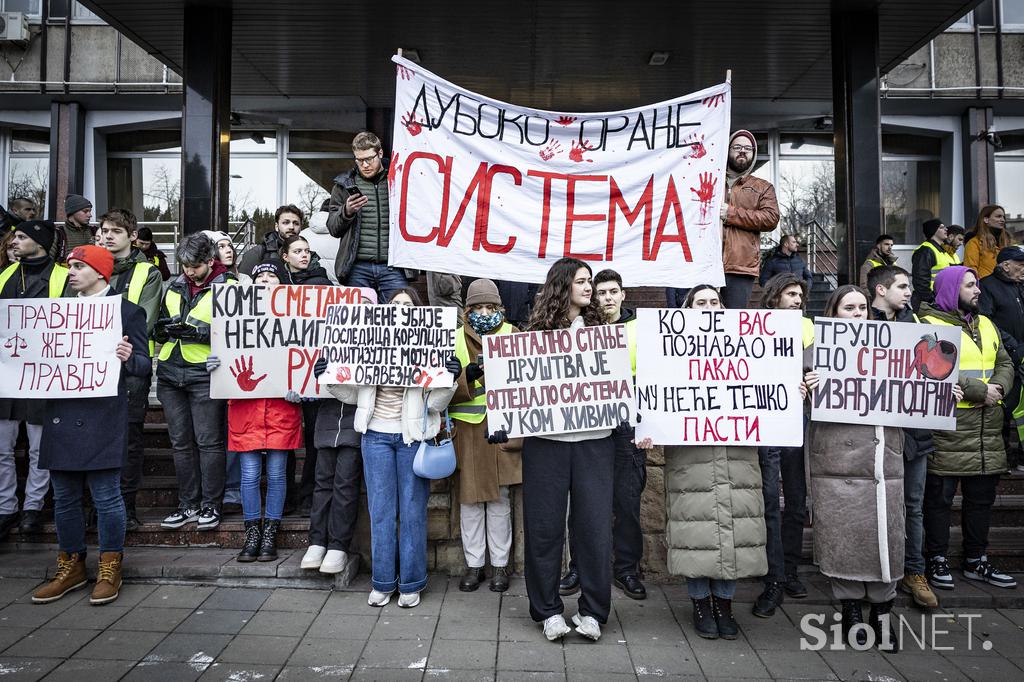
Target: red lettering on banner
444,166
301,361
671,202
571,217
616,201
483,209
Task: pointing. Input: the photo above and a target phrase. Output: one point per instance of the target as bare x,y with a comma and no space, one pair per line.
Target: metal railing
822,252
167,233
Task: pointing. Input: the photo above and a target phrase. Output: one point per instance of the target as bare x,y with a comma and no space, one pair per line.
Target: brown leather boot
108,579
70,576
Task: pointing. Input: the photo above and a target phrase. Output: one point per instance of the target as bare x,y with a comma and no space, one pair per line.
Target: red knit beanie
96,257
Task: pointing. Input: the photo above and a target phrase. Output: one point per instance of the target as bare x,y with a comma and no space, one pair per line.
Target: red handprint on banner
705,193
576,153
405,73
565,120
343,375
411,124
551,151
393,170
713,101
243,375
697,149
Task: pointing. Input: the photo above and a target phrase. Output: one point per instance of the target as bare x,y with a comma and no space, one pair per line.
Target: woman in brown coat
485,471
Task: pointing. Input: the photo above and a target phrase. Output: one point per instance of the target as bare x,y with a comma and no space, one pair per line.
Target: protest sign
388,345
60,347
560,381
269,337
484,188
885,373
719,377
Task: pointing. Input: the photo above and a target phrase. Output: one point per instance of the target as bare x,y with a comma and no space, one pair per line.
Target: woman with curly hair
989,237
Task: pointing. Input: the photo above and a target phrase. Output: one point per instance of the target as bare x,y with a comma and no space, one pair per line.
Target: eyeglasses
367,161
741,148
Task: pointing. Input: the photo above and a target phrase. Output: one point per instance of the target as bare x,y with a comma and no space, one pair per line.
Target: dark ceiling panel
573,54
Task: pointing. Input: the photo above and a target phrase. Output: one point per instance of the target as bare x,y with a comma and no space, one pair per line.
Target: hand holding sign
124,349
243,375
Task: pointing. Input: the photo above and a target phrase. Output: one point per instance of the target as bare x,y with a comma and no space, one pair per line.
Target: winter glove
293,397
623,429
212,363
319,367
473,372
454,367
160,328
498,437
185,332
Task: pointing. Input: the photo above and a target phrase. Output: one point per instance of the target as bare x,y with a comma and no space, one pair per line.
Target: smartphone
354,191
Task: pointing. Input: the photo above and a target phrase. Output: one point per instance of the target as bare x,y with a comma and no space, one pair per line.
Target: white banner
484,188
560,381
388,345
269,337
885,373
60,347
719,377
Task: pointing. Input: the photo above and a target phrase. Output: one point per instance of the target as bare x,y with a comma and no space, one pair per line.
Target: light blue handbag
435,458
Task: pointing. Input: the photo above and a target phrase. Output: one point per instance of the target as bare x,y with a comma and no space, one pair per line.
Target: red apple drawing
936,359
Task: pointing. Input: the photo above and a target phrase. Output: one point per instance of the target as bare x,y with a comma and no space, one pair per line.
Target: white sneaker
379,598
313,557
555,628
587,626
408,601
334,562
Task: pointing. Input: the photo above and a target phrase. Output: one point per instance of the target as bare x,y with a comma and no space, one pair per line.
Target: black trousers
307,484
784,526
627,536
131,471
335,508
554,473
979,494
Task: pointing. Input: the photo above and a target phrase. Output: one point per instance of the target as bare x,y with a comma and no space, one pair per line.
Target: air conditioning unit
13,27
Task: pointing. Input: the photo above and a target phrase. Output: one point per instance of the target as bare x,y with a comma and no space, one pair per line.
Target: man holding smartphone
358,216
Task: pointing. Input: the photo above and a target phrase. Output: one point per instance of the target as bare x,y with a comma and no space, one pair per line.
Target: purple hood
947,287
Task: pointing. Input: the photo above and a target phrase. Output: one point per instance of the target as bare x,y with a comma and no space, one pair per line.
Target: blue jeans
105,487
385,280
252,467
915,472
396,496
233,478
701,588
785,528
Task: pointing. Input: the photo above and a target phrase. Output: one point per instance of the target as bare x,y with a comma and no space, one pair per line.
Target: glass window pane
29,178
252,191
806,192
984,14
1013,12
911,145
254,141
145,141
1009,180
161,188
83,13
320,141
805,143
310,181
910,196
58,9
32,7
33,141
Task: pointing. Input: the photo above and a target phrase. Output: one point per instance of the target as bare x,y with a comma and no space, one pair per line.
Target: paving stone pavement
244,634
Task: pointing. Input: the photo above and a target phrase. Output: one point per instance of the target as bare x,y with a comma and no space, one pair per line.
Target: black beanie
930,227
272,265
73,203
42,232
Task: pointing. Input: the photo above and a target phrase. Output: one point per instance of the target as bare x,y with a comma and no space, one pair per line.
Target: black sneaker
631,586
795,588
131,520
31,521
769,600
209,518
938,573
982,570
180,517
7,522
570,583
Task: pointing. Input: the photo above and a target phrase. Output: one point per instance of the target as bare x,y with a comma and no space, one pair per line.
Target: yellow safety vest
200,316
140,273
807,331
875,263
943,259
58,279
631,342
472,411
975,363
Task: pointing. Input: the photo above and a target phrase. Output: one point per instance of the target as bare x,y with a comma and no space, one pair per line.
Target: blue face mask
482,324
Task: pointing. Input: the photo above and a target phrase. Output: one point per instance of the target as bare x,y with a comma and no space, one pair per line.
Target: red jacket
264,424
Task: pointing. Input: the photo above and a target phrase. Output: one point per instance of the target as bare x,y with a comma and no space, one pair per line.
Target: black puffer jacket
334,425
1002,301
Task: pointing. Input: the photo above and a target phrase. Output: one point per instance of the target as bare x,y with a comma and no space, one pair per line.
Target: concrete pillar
858,137
979,172
67,156
206,118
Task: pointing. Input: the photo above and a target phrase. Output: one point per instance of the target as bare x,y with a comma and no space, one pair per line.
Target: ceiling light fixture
658,59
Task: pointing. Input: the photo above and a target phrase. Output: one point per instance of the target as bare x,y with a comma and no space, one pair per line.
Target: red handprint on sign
697,149
243,375
405,73
565,120
393,170
705,193
552,150
713,101
343,374
411,124
576,153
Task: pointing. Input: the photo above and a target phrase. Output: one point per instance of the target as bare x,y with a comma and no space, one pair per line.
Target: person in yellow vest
34,275
973,456
485,470
928,260
139,280
879,255
630,467
195,422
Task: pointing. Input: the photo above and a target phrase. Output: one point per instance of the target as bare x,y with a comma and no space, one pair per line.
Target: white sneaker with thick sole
408,601
379,598
334,561
587,626
555,628
313,557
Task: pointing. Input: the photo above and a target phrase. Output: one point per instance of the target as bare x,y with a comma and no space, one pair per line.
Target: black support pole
858,137
206,118
979,162
67,155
